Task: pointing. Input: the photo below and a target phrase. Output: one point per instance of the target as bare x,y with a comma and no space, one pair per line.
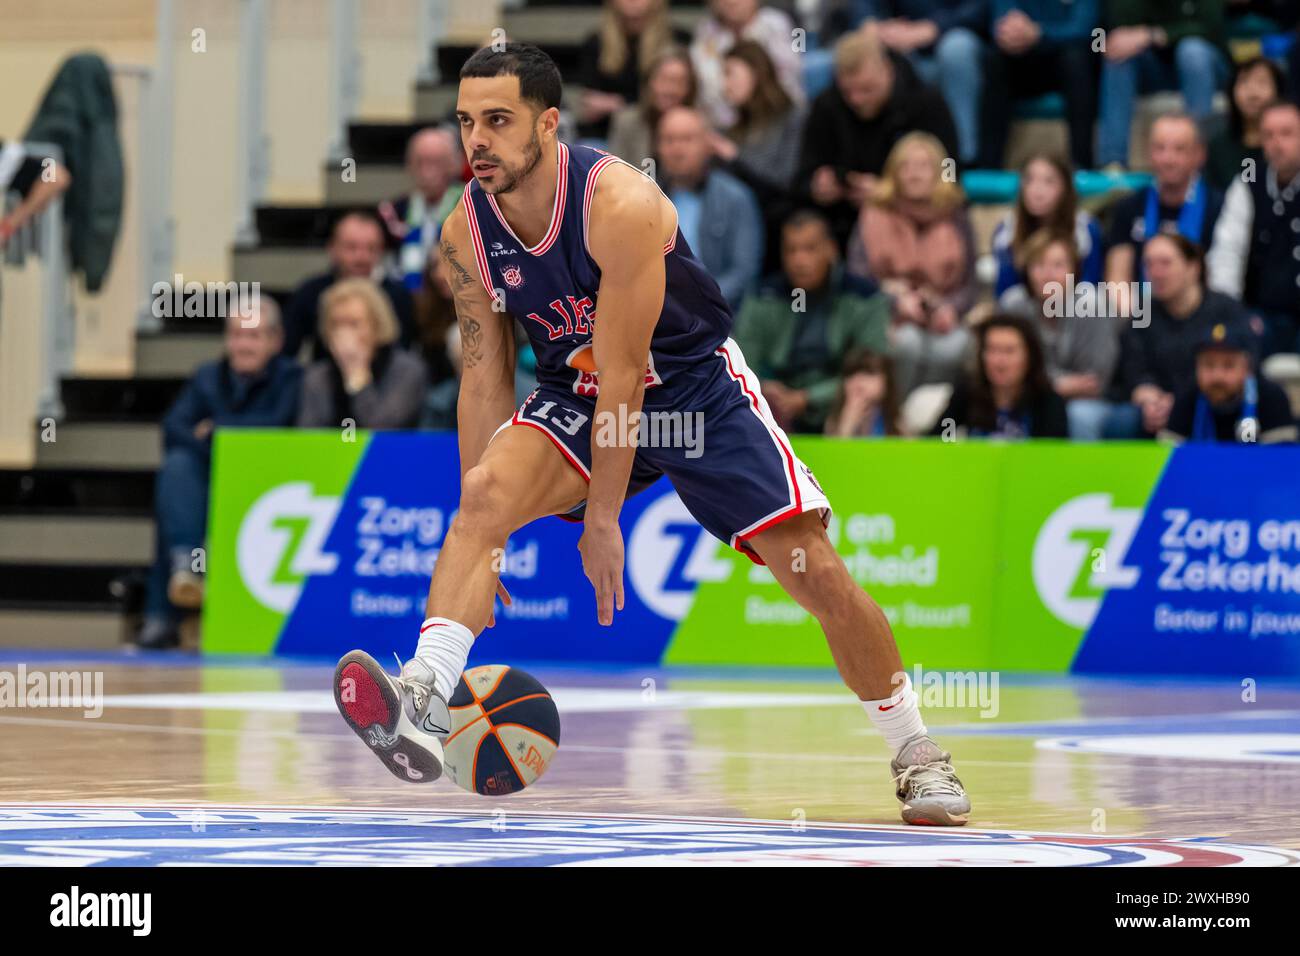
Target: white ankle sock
898,717
444,645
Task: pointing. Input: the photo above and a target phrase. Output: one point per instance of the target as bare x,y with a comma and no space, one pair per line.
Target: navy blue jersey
552,287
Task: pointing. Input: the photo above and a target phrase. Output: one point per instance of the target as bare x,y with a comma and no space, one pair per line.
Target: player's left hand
601,547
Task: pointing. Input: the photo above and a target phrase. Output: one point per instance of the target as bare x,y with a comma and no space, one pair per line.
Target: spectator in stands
1156,360
852,126
632,33
355,248
1229,402
762,148
669,82
729,22
1042,46
1293,66
796,329
1179,201
35,180
440,403
941,40
1046,200
414,221
716,212
1256,250
866,404
914,239
1009,394
1153,45
1081,347
1256,83
435,317
252,386
364,380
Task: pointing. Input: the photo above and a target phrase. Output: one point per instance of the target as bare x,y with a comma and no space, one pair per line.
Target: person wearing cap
1229,402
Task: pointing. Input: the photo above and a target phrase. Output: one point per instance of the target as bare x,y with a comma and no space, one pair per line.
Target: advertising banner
1039,557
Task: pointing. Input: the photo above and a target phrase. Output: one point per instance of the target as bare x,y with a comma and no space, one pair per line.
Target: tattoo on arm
469,307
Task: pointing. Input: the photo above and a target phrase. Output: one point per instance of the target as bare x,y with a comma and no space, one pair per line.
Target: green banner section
1065,513
981,554
254,538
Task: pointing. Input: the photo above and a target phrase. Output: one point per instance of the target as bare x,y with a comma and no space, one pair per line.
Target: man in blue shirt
717,213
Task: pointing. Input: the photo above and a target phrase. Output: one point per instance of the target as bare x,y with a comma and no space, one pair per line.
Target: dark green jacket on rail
765,329
79,113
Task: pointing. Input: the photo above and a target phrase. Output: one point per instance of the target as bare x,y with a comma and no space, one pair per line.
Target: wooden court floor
193,761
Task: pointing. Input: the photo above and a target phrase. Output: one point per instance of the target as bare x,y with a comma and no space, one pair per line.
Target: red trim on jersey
671,244
476,240
785,449
557,208
516,420
593,174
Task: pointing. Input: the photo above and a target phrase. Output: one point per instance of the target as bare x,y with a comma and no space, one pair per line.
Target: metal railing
43,237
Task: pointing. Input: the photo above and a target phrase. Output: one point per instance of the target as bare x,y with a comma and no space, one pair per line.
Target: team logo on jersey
513,276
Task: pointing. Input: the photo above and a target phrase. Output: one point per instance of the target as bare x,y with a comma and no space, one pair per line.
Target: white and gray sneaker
402,719
928,786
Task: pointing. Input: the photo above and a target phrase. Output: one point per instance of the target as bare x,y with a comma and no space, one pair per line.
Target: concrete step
64,630
175,354
134,446
280,267
119,399
29,491
374,183
76,539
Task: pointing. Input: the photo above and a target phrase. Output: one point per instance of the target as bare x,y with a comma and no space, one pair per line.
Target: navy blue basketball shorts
714,437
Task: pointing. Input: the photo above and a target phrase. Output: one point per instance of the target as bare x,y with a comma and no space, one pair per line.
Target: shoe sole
933,817
372,708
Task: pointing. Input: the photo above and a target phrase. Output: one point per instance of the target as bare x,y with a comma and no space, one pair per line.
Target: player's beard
513,177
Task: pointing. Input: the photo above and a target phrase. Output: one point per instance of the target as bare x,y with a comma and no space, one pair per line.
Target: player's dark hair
539,78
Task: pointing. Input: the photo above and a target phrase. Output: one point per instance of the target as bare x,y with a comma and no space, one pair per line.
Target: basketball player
585,251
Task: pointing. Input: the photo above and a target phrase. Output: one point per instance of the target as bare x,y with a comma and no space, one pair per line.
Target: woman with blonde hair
913,238
366,379
610,62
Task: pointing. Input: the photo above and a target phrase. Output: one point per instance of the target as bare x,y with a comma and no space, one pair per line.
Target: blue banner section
1213,582
386,536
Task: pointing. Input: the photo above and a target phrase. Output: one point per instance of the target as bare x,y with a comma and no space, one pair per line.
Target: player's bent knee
484,505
